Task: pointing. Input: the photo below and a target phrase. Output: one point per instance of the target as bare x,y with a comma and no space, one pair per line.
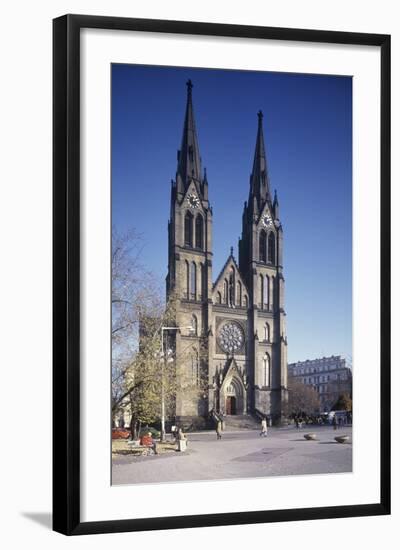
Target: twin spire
259,181
189,161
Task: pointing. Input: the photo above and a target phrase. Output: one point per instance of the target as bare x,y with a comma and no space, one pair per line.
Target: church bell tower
261,265
189,278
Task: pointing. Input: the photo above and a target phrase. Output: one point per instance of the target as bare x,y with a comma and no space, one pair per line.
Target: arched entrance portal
233,394
230,407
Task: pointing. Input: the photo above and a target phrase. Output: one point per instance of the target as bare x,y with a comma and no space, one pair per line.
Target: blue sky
308,137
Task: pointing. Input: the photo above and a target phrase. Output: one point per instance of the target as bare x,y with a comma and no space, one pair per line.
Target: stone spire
275,205
189,162
259,184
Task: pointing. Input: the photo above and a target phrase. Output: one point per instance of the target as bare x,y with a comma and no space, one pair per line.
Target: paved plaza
241,454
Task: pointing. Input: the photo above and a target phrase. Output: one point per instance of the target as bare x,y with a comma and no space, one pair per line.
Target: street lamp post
164,356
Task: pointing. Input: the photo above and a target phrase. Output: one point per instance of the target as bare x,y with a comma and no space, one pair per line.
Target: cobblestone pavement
241,454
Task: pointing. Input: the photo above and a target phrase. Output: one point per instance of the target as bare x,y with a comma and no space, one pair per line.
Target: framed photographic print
221,274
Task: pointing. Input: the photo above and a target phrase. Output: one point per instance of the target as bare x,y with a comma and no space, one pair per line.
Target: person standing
219,429
264,428
334,422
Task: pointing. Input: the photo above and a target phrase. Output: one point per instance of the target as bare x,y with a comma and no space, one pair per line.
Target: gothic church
238,340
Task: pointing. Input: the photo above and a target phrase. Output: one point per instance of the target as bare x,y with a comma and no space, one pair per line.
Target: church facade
237,346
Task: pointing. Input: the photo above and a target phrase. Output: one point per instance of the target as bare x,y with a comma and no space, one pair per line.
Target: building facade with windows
330,376
238,344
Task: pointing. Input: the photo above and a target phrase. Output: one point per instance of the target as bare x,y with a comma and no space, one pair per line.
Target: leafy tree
344,403
141,370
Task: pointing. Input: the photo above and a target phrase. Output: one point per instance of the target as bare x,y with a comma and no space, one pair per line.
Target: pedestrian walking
219,429
300,423
264,428
334,422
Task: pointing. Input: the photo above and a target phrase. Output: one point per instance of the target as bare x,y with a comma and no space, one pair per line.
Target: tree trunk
133,426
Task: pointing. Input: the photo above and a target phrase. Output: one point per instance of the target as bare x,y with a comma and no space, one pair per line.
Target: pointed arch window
225,291
246,301
187,279
261,290
189,229
262,246
193,274
199,231
271,248
232,287
266,332
239,294
273,293
266,370
219,298
195,325
266,292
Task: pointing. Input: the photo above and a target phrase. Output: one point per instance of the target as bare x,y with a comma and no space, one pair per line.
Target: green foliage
141,371
154,433
344,403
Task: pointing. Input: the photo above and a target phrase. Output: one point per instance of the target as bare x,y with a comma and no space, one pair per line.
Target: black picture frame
66,272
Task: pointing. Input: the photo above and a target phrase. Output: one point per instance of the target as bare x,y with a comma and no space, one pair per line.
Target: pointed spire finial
189,161
259,184
231,250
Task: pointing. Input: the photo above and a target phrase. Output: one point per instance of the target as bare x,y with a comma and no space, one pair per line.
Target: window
232,287
189,229
266,292
194,325
261,290
193,271
273,297
187,279
199,231
266,365
246,302
271,248
262,246
239,293
225,291
266,334
219,298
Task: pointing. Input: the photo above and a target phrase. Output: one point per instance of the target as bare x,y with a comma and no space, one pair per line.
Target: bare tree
303,399
139,367
135,295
